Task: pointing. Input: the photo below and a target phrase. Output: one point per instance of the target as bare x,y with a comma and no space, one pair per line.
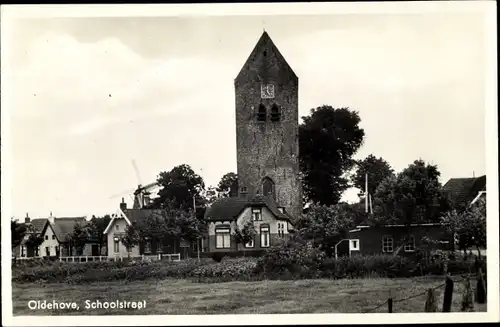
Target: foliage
217,256
210,196
377,169
18,230
79,237
287,261
245,234
413,196
469,226
177,188
325,225
34,240
228,185
163,225
328,138
97,227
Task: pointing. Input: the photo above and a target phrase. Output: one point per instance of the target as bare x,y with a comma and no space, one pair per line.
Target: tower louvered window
262,113
275,113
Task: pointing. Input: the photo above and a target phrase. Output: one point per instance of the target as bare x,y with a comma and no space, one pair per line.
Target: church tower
267,117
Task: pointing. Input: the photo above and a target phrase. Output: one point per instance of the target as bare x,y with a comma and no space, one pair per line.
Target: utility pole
366,192
198,238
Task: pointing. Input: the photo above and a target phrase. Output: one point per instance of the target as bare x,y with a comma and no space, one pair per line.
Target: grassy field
177,296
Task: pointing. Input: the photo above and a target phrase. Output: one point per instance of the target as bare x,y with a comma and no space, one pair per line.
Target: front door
95,250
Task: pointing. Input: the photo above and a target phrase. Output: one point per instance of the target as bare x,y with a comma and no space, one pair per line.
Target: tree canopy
178,187
97,227
413,196
328,138
377,169
18,230
228,185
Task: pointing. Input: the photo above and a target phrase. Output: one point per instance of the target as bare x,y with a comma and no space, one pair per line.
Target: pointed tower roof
266,43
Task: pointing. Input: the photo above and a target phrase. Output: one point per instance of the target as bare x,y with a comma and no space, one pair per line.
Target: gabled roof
38,224
131,215
265,43
463,191
63,227
230,208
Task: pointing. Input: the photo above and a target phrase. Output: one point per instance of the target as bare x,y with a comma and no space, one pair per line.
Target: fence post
467,301
389,304
448,295
430,303
481,287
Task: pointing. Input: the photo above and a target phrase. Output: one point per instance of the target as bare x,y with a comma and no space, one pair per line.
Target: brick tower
266,92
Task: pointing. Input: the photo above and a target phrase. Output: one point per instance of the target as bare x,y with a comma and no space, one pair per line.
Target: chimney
51,218
123,205
27,219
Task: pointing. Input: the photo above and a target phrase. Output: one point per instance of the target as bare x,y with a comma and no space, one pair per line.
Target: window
47,251
265,53
353,245
267,187
250,244
262,113
222,238
53,237
117,227
257,214
281,229
37,251
281,209
264,236
46,237
23,251
387,244
243,189
275,113
116,244
410,244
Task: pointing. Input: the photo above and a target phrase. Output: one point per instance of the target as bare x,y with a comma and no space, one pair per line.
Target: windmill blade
137,172
129,192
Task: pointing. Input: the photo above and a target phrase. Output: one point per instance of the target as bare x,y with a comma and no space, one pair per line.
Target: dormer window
275,113
257,214
262,113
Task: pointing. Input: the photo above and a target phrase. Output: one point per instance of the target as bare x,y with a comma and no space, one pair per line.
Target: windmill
141,195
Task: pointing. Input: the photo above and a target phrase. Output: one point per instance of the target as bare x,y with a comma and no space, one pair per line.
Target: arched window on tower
275,112
268,187
262,113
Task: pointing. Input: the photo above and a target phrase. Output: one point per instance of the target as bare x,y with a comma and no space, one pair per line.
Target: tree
328,138
163,226
18,231
78,238
377,169
325,225
413,196
178,187
469,226
209,196
97,227
228,185
34,241
245,234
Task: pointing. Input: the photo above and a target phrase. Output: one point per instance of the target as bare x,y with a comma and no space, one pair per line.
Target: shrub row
277,263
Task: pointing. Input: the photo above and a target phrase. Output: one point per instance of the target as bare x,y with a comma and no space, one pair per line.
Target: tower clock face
267,91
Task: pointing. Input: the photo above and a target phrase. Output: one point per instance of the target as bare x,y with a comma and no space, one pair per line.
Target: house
390,238
55,234
271,223
33,226
464,192
124,217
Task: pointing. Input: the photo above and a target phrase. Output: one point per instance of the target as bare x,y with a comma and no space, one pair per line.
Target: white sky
90,95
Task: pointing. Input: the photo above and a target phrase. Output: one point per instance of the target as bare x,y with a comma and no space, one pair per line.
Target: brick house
270,222
390,238
124,217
